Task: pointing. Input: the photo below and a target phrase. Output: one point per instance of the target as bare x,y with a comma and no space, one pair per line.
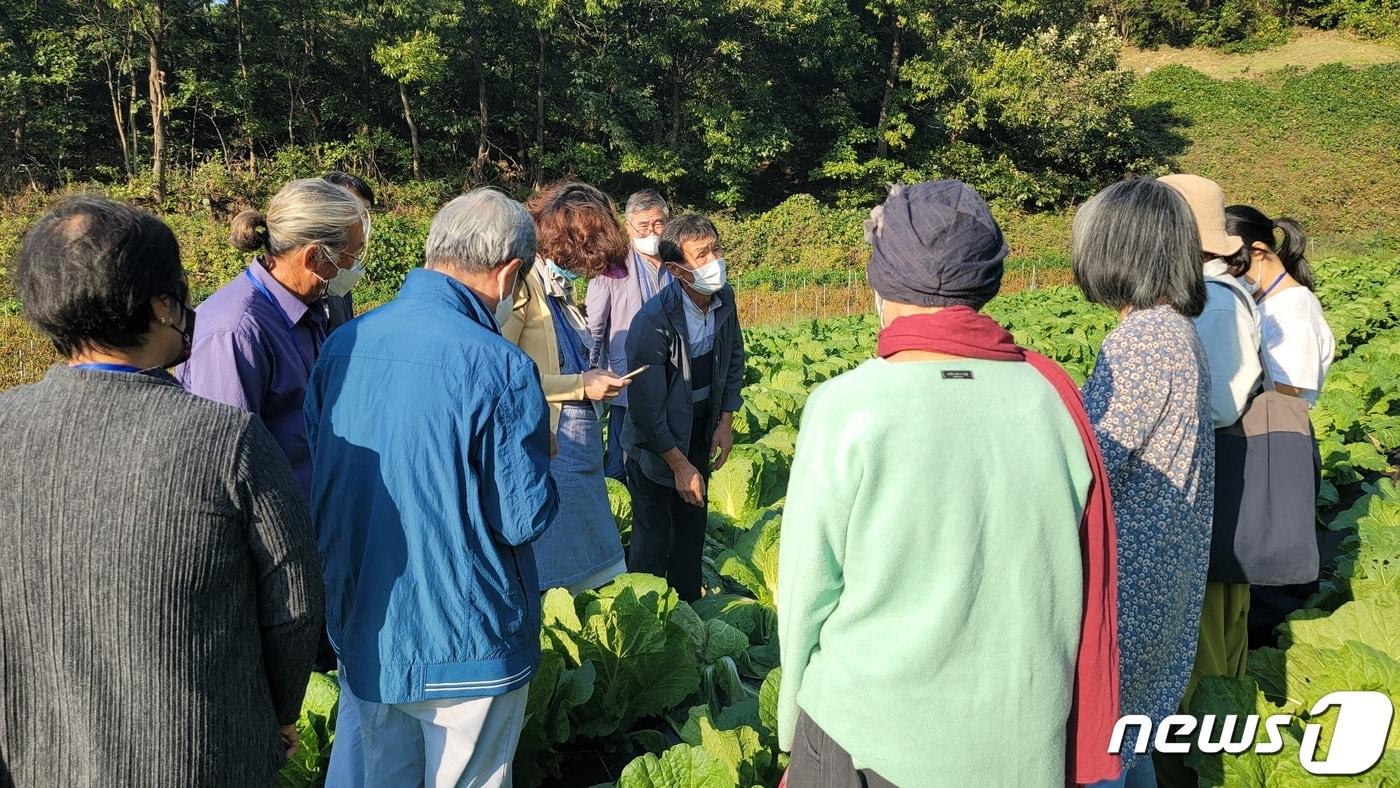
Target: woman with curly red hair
578,236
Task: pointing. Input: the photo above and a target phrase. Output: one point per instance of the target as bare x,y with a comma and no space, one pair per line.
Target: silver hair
480,230
304,212
646,200
875,225
1136,244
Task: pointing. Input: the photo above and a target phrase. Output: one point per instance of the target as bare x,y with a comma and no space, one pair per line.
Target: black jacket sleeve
734,378
649,342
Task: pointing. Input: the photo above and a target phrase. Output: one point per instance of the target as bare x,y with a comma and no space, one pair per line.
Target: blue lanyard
291,327
127,368
1265,294
567,334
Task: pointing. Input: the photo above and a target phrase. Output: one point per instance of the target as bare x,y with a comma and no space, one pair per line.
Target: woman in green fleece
933,573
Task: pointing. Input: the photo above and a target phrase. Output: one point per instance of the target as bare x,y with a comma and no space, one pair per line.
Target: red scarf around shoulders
962,331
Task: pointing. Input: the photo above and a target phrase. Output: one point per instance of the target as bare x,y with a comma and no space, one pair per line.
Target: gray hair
480,230
1136,244
307,211
647,200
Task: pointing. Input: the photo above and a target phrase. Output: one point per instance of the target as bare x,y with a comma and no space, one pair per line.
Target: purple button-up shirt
253,349
611,304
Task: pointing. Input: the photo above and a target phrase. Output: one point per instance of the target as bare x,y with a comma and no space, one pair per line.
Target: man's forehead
647,215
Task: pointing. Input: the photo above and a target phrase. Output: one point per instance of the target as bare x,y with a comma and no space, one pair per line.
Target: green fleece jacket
930,580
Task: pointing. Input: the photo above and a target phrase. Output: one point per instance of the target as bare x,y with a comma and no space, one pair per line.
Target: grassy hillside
1321,145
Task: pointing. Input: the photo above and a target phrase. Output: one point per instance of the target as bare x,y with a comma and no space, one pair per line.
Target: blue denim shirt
429,441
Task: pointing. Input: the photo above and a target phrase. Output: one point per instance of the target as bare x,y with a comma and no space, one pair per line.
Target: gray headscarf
935,244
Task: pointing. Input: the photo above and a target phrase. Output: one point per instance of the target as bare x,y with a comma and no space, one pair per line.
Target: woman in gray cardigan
159,593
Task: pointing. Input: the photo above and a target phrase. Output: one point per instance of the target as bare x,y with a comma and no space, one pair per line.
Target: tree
735,103
151,21
417,60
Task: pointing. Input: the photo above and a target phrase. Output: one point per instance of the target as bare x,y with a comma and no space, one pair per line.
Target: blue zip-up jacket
429,444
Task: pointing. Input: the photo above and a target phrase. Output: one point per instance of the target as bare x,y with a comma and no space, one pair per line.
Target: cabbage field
638,689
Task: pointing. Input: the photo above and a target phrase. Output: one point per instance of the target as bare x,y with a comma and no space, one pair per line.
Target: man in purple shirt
342,310
257,338
613,299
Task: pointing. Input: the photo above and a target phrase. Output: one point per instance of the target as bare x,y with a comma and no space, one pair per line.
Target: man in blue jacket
430,447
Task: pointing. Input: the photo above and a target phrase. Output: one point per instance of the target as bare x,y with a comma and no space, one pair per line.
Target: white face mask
506,305
880,310
345,279
709,278
648,245
1249,286
342,283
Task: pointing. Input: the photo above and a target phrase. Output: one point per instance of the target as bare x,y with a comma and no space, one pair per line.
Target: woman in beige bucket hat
1229,331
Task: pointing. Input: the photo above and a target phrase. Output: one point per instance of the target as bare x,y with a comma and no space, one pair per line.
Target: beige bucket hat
1207,201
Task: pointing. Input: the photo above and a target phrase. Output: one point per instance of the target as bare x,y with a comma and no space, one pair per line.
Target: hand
600,385
723,442
290,739
690,484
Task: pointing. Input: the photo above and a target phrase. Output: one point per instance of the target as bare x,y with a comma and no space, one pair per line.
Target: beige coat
531,328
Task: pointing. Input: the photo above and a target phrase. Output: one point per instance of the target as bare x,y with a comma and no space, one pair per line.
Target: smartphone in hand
634,373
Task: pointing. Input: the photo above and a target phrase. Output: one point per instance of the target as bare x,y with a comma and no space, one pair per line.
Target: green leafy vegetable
620,500
682,766
753,561
746,760
640,652
316,730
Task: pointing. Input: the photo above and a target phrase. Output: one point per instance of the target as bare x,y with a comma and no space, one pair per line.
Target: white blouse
1297,342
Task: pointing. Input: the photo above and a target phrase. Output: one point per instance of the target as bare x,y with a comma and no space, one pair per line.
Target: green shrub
396,247
1379,19
800,240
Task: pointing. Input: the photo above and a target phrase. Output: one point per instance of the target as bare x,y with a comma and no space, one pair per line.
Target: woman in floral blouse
1135,251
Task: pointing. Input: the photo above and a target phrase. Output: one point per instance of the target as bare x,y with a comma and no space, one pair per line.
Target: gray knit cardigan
160,596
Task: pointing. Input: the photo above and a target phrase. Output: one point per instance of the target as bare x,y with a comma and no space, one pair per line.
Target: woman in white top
1297,344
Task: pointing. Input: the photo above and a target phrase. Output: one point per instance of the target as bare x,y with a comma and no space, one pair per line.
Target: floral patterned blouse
1149,400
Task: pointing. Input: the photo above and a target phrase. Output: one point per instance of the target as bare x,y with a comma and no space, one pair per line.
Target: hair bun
248,232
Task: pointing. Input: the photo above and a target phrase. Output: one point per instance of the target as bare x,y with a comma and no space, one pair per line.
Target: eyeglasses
356,260
653,227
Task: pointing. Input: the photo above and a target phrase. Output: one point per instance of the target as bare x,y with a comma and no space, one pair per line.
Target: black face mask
186,334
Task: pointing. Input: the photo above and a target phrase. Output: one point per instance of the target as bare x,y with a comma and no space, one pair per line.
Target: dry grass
781,307
1307,50
24,354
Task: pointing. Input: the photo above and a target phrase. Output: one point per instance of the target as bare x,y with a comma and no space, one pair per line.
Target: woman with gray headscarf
924,592
1135,251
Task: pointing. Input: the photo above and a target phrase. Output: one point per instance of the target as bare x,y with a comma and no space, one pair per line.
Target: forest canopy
731,103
